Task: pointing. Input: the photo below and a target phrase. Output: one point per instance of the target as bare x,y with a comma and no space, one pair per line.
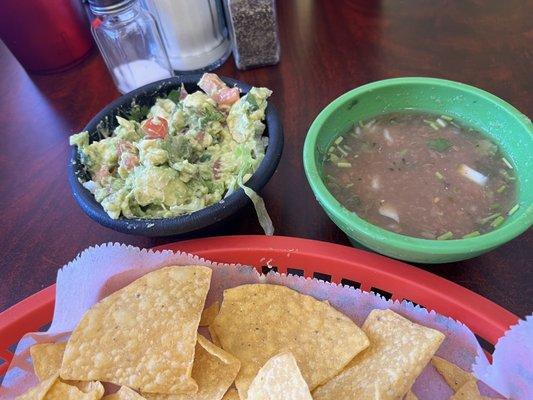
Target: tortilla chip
454,376
64,391
410,396
399,351
214,337
142,336
279,379
46,358
38,392
258,321
124,393
209,314
231,394
214,371
468,391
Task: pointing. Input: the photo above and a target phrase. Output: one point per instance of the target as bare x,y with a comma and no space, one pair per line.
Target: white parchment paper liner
101,270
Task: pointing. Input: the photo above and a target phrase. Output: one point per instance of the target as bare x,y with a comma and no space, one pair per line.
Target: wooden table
328,47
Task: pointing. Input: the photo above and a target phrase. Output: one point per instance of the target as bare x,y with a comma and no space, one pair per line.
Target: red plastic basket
339,264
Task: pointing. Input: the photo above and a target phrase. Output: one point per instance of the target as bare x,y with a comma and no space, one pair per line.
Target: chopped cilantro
205,157
252,101
439,144
137,113
174,95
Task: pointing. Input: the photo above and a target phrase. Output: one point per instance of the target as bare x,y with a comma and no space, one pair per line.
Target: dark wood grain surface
328,47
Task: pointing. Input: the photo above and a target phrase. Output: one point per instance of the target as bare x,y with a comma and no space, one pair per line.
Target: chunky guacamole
188,152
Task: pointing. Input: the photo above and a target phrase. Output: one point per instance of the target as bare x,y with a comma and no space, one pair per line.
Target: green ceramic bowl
509,128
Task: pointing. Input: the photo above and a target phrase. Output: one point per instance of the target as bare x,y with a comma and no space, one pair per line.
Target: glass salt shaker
129,41
194,33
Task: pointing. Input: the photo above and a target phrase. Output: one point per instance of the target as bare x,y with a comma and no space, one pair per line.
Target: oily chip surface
46,358
258,321
214,371
279,379
398,352
142,336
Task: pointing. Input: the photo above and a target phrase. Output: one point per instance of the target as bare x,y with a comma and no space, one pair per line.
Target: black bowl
185,223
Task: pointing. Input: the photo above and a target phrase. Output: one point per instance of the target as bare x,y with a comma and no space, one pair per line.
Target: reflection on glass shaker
129,41
194,33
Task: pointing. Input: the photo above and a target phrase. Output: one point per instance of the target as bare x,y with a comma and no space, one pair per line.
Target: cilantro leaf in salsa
137,113
250,99
174,95
439,144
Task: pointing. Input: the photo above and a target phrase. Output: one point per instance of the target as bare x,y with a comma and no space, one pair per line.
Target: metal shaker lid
108,6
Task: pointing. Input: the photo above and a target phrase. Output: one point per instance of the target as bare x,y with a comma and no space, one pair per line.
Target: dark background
328,47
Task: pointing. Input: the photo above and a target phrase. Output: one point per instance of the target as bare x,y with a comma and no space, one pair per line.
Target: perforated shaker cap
108,6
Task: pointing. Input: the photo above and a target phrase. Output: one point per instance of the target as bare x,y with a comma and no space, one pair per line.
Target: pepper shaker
254,32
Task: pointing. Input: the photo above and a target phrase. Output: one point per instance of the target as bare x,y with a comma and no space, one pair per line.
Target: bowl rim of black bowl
188,222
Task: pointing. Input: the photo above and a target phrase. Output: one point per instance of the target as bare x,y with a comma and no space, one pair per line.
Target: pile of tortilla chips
268,342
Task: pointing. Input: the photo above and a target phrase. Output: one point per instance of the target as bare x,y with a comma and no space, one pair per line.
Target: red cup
45,35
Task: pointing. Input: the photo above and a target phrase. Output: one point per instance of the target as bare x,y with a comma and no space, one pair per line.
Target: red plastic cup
45,35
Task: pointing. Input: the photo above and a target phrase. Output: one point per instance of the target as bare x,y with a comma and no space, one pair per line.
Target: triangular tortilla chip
231,394
468,391
46,358
399,351
454,376
38,392
209,314
64,391
124,393
258,321
214,371
142,336
279,379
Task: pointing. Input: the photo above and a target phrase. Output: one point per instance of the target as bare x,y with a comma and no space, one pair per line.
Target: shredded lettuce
259,204
262,214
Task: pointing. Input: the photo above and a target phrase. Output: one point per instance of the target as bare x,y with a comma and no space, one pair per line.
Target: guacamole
188,152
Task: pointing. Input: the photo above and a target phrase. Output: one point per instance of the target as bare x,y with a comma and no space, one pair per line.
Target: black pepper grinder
253,30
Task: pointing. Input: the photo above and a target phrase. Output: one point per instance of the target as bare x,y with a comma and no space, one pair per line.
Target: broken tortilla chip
209,314
46,358
214,371
399,351
124,393
454,376
231,394
63,391
258,321
142,336
279,379
38,392
469,391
